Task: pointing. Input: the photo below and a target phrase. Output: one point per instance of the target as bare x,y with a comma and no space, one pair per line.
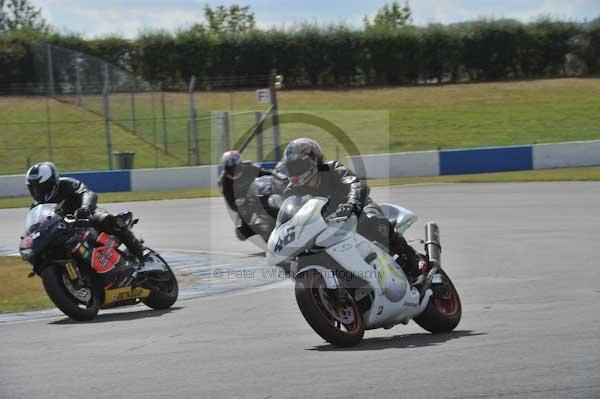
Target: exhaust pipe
433,247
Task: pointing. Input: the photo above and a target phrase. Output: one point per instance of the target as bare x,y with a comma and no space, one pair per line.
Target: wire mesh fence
81,110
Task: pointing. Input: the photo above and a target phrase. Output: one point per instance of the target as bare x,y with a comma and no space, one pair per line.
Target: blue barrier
486,160
106,181
451,162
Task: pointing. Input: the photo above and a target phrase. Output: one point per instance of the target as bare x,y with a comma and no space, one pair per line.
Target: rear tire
309,293
163,286
441,315
52,278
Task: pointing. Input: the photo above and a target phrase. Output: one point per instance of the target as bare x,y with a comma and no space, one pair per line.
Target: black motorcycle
83,270
262,203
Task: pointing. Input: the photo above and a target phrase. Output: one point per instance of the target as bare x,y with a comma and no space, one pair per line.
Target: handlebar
73,221
335,218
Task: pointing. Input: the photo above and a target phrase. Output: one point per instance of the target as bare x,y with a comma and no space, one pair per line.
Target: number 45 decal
289,237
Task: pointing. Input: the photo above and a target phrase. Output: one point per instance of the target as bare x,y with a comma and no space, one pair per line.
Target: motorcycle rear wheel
322,310
443,312
54,277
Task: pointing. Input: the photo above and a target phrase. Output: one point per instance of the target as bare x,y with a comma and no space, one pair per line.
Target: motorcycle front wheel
76,299
333,314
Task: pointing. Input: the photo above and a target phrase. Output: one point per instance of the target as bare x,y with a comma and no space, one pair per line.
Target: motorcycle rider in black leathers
310,174
234,182
73,196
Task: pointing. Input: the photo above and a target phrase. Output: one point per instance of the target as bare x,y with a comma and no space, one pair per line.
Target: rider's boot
408,258
134,245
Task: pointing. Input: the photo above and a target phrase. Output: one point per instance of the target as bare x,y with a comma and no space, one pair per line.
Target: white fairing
38,214
295,235
403,217
337,231
394,300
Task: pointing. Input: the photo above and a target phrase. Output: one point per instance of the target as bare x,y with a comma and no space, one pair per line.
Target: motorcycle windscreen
38,214
290,207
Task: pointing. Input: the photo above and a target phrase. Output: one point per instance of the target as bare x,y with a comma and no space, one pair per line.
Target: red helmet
231,160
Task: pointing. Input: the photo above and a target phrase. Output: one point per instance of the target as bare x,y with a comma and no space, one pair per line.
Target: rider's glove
82,213
346,209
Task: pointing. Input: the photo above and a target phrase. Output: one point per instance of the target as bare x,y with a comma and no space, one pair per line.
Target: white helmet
231,160
42,181
301,159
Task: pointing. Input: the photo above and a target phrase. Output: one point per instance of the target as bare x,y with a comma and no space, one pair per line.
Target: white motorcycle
346,284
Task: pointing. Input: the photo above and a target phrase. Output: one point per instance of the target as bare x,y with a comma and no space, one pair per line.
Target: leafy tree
20,14
391,17
233,19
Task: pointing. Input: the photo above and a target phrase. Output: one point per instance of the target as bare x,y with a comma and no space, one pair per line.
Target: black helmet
301,159
42,181
231,160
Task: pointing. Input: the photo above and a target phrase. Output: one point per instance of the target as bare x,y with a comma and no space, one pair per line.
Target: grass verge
591,173
19,293
22,202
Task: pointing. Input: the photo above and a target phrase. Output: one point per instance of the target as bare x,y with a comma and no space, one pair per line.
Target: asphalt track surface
524,258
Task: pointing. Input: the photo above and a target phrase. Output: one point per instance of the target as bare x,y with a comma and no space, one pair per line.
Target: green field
376,120
77,137
19,293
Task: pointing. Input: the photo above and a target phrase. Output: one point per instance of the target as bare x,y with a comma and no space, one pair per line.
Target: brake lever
73,221
335,218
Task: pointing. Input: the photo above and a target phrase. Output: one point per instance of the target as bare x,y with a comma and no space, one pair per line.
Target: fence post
154,128
275,116
224,127
164,121
78,82
50,70
133,110
105,94
189,142
48,128
194,121
153,109
260,155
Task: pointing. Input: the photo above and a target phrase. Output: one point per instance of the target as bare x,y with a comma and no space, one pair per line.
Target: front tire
163,286
333,314
55,280
444,310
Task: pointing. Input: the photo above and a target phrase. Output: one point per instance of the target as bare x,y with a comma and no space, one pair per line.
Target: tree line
386,51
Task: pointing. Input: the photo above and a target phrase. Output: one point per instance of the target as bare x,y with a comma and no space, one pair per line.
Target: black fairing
50,238
259,192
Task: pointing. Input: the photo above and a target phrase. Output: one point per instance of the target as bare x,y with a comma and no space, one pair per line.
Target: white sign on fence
263,96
